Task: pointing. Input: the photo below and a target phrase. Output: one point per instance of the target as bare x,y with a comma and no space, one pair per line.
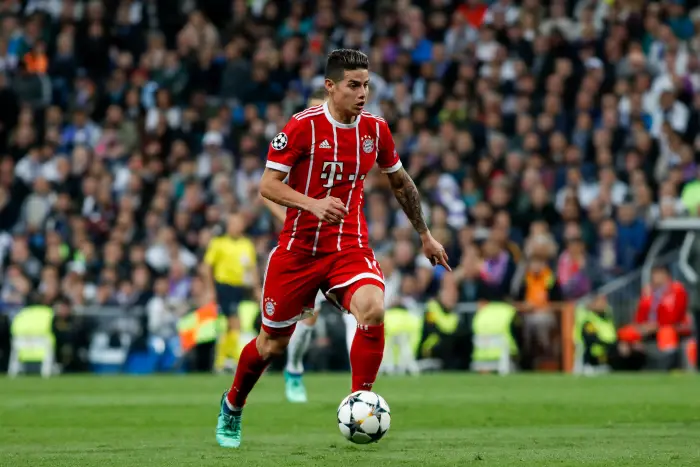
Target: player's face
350,95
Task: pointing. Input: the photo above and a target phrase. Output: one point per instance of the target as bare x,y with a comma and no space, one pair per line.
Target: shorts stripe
364,275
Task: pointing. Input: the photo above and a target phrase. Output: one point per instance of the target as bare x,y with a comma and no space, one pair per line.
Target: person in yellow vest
597,333
440,339
231,272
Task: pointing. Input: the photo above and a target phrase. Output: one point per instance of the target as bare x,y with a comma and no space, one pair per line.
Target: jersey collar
335,122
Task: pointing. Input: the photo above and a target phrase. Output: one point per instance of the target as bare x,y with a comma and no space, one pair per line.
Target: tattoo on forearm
408,197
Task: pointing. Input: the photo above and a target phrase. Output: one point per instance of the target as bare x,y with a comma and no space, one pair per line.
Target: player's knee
311,320
370,310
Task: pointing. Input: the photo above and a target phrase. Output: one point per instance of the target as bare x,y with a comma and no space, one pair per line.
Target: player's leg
367,351
357,285
298,346
282,308
350,327
255,358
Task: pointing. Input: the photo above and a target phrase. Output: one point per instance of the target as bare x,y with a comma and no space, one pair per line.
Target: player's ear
329,83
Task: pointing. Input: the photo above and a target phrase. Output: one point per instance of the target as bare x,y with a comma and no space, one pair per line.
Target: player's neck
341,117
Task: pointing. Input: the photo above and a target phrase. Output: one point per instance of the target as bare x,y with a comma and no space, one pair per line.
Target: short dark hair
320,93
341,60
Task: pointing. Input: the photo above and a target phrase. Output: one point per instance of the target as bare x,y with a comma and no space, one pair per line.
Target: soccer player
327,152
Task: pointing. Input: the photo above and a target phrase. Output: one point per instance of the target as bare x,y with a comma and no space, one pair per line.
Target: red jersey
324,157
669,308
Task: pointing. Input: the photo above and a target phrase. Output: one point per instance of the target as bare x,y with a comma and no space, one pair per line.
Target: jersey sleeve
387,159
287,146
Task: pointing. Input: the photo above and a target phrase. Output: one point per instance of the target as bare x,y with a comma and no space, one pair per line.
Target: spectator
537,292
496,272
71,337
576,269
662,319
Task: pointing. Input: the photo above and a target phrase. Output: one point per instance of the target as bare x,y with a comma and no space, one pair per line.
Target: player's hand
329,209
435,252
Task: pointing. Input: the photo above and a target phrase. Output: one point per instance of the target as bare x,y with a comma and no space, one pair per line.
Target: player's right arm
285,150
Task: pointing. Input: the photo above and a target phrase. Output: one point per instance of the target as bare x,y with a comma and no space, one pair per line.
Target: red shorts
292,281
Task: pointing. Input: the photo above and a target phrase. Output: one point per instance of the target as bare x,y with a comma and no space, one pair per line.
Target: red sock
366,355
250,366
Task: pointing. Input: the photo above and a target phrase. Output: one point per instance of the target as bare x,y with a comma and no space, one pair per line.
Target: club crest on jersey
279,142
269,307
367,144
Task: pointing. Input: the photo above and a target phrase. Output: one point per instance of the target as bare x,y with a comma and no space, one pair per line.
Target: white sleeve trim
393,168
277,166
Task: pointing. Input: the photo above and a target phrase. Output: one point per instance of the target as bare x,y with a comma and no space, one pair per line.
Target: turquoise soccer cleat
295,390
228,428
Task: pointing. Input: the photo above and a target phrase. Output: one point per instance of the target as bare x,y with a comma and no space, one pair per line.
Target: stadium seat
402,331
41,345
399,356
32,341
496,345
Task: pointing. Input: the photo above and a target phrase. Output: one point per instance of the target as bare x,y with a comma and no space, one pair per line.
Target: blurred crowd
549,135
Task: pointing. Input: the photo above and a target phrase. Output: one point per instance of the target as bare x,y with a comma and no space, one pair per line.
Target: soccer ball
364,417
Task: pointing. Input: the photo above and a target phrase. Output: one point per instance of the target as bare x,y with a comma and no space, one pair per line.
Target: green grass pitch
437,420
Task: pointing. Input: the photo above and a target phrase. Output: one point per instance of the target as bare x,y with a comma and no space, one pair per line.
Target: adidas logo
324,145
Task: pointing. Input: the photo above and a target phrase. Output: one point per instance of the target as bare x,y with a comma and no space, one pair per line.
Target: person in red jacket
662,315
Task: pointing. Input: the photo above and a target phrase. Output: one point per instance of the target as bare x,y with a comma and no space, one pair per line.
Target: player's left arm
407,195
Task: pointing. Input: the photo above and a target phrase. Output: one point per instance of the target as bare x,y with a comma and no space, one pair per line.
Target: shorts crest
269,307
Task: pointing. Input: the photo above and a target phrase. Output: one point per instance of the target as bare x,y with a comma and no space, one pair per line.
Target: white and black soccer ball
364,417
